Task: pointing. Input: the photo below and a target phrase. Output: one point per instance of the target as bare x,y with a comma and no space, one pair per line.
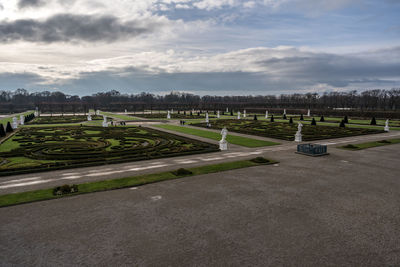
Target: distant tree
322,119
2,131
255,117
301,117
373,121
9,129
272,118
291,120
313,122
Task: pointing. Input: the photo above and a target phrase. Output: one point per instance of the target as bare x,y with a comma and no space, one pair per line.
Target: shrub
2,131
65,189
313,122
215,112
184,112
342,124
301,117
291,120
9,129
182,171
351,146
255,117
384,142
322,119
284,116
260,160
231,112
373,121
191,113
346,119
272,118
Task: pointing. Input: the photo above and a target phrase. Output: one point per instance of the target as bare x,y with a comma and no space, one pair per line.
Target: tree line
369,100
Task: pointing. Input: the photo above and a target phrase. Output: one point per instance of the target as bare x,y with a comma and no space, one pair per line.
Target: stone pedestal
298,137
223,145
386,129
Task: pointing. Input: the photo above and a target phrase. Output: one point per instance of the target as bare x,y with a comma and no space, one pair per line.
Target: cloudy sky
212,47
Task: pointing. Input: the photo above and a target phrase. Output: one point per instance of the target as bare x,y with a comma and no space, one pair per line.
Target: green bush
373,121
65,189
384,142
350,146
181,172
260,160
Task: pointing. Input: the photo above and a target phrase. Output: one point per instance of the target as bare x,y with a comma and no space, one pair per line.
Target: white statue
238,115
15,123
284,111
207,120
218,114
172,111
386,126
298,136
89,117
308,113
22,119
223,145
97,112
105,124
266,114
168,115
126,111
227,110
244,113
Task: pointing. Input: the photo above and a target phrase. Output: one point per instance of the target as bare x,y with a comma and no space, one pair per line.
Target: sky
205,47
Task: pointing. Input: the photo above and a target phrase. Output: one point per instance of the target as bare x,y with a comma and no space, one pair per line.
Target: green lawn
47,194
371,144
233,139
118,116
4,121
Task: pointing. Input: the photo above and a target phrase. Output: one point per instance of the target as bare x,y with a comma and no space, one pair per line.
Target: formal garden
48,148
187,115
285,130
63,119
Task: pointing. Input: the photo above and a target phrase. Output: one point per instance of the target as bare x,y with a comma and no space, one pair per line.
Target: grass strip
370,144
233,139
91,187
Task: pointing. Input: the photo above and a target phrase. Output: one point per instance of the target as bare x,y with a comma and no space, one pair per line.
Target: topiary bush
2,131
322,119
182,172
260,160
342,124
9,129
313,122
291,120
373,121
346,119
284,117
255,117
301,117
272,118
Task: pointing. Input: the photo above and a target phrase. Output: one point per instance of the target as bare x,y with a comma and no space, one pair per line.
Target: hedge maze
173,116
286,131
44,148
62,119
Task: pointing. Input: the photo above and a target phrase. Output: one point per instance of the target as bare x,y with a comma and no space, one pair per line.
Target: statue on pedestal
266,114
284,111
223,145
308,113
218,114
386,129
22,119
244,114
89,117
207,120
105,124
298,136
238,115
15,123
169,115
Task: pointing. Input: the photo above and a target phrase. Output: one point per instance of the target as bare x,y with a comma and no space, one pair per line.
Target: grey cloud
70,28
30,3
26,80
